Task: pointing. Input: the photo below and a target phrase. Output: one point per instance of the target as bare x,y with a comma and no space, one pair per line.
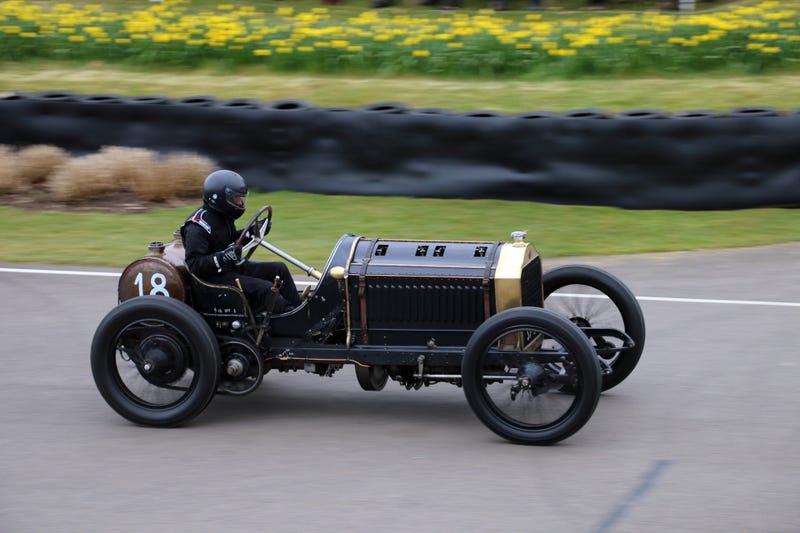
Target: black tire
371,378
593,297
155,361
549,352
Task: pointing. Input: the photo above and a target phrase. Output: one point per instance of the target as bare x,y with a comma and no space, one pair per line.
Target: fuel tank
160,272
435,292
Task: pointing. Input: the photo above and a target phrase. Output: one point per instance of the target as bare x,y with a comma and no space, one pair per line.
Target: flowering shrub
748,38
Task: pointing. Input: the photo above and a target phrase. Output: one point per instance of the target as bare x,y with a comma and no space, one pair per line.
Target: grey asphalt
703,436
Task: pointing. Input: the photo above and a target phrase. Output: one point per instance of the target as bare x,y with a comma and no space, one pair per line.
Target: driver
209,236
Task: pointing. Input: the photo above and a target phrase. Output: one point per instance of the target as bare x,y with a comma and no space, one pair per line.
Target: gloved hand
232,255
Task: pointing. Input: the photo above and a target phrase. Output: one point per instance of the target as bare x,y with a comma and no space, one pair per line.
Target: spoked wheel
155,361
593,298
514,367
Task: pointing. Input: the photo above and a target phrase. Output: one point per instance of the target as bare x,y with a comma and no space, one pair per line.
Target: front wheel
593,298
514,369
155,361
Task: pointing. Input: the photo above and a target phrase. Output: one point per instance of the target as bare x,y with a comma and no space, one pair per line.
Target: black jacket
205,233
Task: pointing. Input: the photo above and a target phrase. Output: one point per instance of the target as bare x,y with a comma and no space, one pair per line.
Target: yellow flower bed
752,36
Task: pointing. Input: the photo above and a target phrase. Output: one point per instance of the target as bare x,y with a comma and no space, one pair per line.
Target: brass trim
347,288
508,274
362,290
486,281
337,273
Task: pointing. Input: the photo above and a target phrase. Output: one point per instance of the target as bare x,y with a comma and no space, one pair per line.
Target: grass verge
676,93
307,226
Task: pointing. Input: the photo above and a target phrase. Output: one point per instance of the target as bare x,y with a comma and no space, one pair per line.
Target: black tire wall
639,159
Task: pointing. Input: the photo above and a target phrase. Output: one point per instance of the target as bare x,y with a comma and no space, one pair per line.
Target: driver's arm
199,255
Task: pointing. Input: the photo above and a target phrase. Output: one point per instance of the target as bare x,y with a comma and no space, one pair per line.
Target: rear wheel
591,297
514,368
155,361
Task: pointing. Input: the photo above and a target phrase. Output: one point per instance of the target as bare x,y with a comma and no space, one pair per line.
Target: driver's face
238,200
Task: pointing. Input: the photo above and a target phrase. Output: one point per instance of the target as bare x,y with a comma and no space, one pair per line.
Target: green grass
307,226
675,93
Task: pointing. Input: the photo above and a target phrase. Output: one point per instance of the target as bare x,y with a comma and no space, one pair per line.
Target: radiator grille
532,283
429,303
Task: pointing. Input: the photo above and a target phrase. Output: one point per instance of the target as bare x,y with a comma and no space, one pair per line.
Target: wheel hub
236,366
531,379
580,321
163,360
242,368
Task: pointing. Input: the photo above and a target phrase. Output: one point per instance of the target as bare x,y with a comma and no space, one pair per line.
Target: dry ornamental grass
173,176
148,175
35,163
83,178
7,177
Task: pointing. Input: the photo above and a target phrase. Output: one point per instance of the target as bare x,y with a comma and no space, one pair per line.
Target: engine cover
422,292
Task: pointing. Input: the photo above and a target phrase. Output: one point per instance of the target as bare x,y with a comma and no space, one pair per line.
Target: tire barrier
431,111
392,108
484,114
587,113
638,159
643,114
289,105
150,100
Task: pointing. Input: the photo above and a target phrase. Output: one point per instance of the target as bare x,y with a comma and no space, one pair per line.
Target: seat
217,302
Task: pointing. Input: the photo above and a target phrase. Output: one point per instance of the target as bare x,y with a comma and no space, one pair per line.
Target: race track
702,437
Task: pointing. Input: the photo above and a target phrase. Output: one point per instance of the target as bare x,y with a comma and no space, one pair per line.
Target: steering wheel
255,232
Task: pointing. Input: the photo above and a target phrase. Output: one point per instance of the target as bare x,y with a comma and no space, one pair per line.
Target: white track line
685,300
60,272
89,273
566,295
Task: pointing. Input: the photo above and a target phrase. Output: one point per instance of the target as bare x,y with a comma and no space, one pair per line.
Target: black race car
532,351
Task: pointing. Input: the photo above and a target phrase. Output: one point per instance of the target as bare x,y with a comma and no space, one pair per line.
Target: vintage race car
532,351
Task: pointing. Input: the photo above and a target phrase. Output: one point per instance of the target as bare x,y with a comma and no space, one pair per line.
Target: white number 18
158,282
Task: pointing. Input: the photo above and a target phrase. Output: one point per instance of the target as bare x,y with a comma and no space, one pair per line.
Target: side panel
319,316
419,292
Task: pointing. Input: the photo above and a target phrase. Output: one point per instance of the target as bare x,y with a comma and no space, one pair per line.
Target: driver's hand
232,255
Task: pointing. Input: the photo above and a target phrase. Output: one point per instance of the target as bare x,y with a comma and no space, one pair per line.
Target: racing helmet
225,191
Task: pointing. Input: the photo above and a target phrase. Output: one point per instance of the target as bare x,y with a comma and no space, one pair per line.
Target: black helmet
226,192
